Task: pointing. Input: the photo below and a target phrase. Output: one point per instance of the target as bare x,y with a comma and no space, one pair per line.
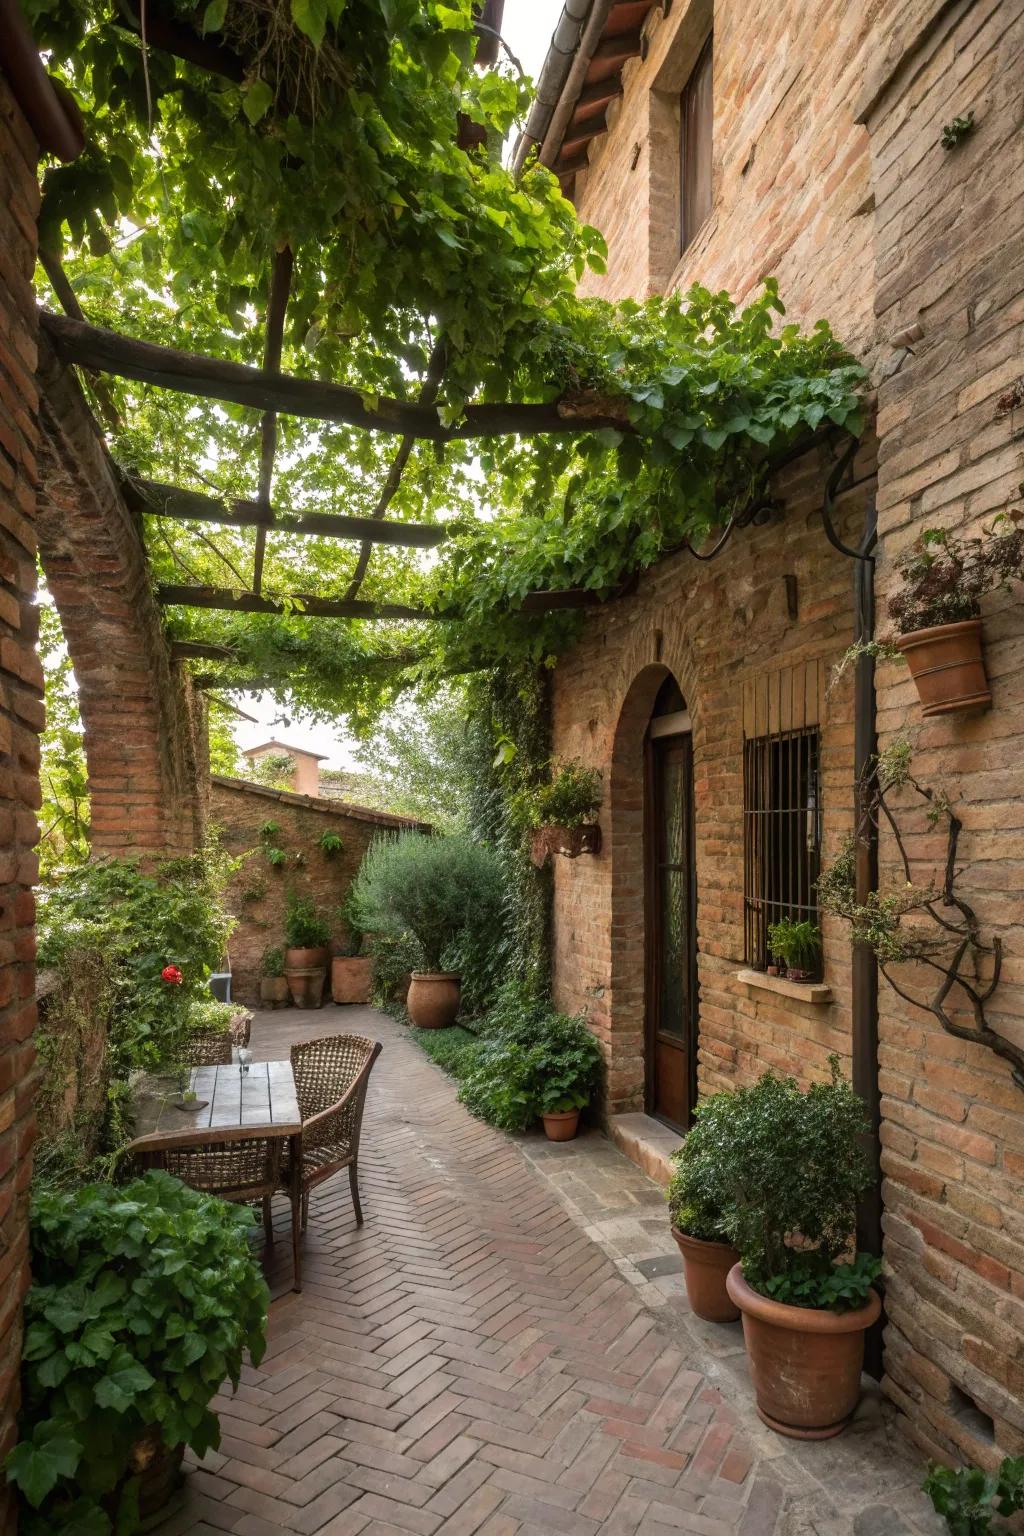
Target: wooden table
260,1102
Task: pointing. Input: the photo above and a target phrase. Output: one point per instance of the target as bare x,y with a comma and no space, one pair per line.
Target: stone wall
258,893
950,269
144,723
21,717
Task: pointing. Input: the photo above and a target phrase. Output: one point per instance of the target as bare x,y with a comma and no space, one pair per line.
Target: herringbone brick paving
482,1358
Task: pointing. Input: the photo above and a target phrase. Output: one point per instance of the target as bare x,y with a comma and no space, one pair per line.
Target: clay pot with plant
795,947
797,1168
699,1198
565,1067
562,814
435,889
273,982
307,934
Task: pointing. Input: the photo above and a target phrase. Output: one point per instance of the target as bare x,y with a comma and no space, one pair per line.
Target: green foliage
330,844
570,799
142,921
701,1189
811,1282
795,944
74,1080
954,133
944,575
225,757
304,926
968,1498
275,770
434,888
422,758
796,1165
208,1014
272,961
530,1062
143,1301
395,956
454,1049
63,777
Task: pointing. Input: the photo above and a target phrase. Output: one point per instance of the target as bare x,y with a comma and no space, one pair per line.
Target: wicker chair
331,1076
207,1048
241,1169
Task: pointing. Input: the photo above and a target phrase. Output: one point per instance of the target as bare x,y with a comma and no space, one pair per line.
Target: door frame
654,742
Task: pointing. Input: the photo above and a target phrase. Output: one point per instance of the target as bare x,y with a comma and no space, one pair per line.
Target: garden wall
21,716
258,894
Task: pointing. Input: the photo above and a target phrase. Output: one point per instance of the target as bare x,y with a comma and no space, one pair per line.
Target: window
696,111
781,834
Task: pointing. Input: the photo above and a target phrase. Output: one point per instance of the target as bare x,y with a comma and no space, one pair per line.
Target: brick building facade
827,171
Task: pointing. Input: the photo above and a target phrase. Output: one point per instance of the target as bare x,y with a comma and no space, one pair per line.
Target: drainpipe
573,42
864,1044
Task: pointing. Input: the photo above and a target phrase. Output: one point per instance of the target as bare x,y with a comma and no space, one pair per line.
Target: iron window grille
781,835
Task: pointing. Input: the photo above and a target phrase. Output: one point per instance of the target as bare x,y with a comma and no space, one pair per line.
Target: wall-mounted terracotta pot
274,991
570,842
705,1268
805,1364
948,665
561,1124
351,978
300,959
433,1000
306,985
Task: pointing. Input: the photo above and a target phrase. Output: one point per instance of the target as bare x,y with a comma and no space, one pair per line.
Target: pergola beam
171,595
213,378
194,506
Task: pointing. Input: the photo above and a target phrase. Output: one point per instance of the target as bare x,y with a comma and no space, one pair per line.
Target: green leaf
257,101
213,16
36,1466
119,1388
310,16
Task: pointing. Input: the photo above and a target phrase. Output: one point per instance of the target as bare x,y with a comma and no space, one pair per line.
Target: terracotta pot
351,978
948,666
274,991
561,1125
159,1472
306,985
302,959
570,842
805,1364
433,1000
705,1267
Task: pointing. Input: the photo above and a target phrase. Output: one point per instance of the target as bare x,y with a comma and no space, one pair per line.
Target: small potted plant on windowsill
562,815
796,947
699,1197
273,982
797,1168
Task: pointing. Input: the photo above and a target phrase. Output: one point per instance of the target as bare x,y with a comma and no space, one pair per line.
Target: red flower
171,975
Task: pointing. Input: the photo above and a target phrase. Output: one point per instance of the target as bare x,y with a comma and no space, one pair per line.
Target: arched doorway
670,908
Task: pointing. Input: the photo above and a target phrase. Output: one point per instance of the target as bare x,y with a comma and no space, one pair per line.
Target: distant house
302,770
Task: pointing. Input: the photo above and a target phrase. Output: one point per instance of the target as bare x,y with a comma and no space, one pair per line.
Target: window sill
805,991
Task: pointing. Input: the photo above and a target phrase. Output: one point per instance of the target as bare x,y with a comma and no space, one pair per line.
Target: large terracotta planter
705,1268
948,666
274,991
433,1000
302,959
561,1124
570,842
158,1469
351,978
805,1364
306,985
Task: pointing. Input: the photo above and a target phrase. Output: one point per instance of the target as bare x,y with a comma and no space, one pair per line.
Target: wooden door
671,932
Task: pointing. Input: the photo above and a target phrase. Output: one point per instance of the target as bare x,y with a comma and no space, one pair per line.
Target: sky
527,29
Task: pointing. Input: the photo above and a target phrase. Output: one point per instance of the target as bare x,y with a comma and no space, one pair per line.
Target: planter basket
948,666
570,842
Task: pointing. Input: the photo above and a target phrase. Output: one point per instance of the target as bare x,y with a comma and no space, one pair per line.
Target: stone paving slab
504,1348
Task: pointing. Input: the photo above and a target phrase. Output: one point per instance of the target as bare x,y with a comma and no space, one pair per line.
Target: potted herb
937,610
796,947
562,814
699,1198
797,1166
273,982
306,952
434,888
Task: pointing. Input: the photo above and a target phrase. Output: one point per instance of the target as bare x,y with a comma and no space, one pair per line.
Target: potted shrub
531,1062
307,934
562,814
795,948
565,1068
121,1358
273,982
797,1169
937,610
699,1198
434,888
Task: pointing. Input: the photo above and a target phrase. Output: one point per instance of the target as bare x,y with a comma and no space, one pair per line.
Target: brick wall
21,713
144,723
949,260
258,893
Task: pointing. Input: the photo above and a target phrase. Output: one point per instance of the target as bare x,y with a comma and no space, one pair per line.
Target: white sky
527,29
